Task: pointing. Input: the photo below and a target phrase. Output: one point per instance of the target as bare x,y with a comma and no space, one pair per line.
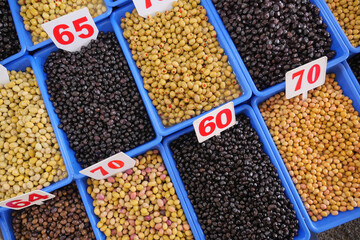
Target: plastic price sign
305,78
4,76
215,122
150,7
26,200
106,168
72,31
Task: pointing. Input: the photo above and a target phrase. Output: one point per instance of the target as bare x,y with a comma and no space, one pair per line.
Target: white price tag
26,200
108,167
215,122
306,77
150,7
72,31
4,76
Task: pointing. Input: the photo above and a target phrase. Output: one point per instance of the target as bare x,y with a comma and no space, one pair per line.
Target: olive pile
274,36
319,141
63,217
183,66
9,41
97,101
35,13
233,186
354,63
140,203
30,158
347,13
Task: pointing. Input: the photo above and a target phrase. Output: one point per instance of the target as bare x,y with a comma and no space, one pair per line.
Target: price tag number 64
27,199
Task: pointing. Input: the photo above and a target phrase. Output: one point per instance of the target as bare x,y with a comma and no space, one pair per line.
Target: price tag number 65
60,35
72,31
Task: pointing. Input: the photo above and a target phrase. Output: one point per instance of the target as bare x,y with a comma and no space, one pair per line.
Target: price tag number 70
109,166
314,72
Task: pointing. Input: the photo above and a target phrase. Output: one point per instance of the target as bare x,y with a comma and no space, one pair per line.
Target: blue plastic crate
40,59
26,36
21,65
337,44
21,37
331,221
304,233
159,127
116,3
352,76
88,200
6,220
324,7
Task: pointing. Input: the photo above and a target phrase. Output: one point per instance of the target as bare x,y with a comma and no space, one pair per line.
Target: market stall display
286,167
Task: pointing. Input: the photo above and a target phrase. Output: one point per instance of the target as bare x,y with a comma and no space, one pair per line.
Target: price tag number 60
215,122
207,126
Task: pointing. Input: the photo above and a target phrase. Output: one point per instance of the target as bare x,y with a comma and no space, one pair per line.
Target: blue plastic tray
337,44
331,221
324,7
26,36
20,34
6,218
21,65
352,76
88,200
40,59
159,127
304,233
116,3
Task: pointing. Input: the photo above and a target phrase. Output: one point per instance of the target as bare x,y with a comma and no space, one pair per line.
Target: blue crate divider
324,7
88,201
6,220
116,3
40,59
26,36
20,65
352,76
331,221
304,233
337,44
20,35
159,127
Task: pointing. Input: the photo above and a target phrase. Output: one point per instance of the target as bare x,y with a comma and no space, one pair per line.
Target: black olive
233,186
97,101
